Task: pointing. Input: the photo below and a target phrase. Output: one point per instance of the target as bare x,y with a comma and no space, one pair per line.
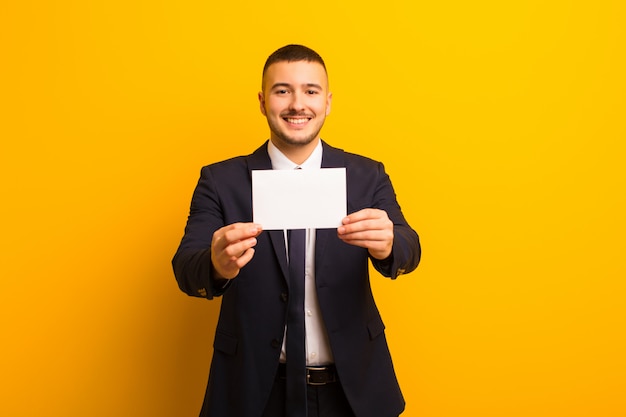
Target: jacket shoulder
259,159
236,162
340,157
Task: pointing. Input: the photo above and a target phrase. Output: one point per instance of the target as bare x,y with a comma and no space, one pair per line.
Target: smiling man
295,100
299,333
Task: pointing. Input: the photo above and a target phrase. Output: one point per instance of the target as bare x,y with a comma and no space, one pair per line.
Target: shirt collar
280,161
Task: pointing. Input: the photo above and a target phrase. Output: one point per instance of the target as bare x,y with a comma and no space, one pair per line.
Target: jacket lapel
331,158
260,160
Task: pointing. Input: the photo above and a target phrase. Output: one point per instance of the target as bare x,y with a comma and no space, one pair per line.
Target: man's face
295,100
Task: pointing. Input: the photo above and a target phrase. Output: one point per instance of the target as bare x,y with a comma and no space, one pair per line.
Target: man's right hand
232,248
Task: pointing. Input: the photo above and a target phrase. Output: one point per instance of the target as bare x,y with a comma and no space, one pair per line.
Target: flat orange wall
502,125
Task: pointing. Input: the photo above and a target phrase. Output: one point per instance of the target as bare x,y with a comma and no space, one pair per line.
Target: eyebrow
314,85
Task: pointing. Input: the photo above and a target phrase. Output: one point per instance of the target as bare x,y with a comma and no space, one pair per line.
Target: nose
297,101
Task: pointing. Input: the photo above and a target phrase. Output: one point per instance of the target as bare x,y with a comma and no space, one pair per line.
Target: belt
315,375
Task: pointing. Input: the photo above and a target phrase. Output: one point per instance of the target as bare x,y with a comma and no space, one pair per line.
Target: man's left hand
368,228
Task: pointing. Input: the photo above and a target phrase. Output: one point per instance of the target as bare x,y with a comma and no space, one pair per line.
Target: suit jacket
252,319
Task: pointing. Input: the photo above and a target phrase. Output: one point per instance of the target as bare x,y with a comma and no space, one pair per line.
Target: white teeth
297,121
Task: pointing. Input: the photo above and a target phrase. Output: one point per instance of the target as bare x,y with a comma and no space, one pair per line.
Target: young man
341,340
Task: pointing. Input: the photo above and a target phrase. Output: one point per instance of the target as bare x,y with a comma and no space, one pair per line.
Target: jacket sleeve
192,261
406,251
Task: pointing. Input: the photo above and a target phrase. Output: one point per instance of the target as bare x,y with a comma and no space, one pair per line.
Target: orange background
502,125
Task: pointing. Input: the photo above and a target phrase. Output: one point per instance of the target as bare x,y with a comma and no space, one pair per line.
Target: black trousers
326,400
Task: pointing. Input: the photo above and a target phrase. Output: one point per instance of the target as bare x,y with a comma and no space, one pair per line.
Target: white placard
299,198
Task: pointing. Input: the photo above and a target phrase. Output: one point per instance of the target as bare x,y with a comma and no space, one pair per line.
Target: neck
296,153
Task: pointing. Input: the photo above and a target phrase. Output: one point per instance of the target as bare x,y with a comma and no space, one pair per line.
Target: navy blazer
252,319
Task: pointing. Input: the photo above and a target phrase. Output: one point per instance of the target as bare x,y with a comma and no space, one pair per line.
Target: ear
262,102
329,99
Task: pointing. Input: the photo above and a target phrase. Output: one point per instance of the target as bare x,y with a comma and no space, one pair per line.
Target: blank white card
299,198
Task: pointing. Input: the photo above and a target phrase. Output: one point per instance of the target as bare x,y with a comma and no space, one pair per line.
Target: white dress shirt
318,350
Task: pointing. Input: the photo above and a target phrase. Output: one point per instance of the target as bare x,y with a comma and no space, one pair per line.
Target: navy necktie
296,354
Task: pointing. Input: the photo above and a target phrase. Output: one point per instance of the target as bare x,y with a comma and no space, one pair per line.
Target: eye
311,91
282,91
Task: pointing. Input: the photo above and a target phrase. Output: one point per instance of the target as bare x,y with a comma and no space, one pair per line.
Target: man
223,253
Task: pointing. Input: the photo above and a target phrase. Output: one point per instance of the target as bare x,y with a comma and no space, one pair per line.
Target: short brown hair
293,53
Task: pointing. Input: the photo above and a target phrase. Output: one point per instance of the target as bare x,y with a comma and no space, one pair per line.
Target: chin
297,141
302,142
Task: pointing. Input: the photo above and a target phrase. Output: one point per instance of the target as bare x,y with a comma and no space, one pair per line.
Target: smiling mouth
298,121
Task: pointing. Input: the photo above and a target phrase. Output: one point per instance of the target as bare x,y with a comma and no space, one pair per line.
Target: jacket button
275,343
284,297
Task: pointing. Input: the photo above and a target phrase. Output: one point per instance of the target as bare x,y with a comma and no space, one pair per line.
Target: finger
360,215
233,233
239,231
379,249
235,250
245,258
228,266
374,245
363,226
383,237
363,235
358,226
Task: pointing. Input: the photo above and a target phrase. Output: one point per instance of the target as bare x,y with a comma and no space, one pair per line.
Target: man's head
295,97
